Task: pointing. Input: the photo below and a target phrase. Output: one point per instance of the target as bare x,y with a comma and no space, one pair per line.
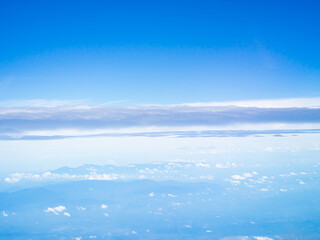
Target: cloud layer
15,122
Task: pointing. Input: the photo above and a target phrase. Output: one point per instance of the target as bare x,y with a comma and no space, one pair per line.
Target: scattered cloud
16,177
226,165
201,164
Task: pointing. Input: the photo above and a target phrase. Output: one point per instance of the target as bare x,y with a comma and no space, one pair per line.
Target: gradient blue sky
146,81
159,52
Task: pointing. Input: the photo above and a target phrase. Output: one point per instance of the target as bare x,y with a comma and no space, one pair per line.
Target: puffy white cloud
49,209
60,208
104,206
151,194
56,210
243,176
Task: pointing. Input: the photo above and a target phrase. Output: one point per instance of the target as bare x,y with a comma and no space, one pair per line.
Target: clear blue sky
159,51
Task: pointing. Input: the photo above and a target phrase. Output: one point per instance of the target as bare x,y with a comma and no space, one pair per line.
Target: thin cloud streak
175,134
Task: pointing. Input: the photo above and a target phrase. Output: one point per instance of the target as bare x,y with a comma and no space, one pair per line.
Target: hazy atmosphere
160,120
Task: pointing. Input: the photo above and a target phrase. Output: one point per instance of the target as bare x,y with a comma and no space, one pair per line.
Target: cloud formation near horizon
15,122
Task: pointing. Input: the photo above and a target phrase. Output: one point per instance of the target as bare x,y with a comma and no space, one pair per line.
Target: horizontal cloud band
18,120
176,134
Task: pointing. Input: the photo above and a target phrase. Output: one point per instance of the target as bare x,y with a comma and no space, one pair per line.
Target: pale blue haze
159,120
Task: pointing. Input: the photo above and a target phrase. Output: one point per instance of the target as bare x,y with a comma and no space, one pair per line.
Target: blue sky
164,52
137,81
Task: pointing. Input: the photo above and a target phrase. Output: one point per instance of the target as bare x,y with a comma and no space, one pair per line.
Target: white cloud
171,195
94,176
67,214
16,177
201,164
151,194
262,238
49,209
267,103
4,214
238,177
243,176
226,165
247,175
38,122
104,206
60,208
56,210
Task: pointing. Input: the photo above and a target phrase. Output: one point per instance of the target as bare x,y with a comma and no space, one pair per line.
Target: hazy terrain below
174,200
